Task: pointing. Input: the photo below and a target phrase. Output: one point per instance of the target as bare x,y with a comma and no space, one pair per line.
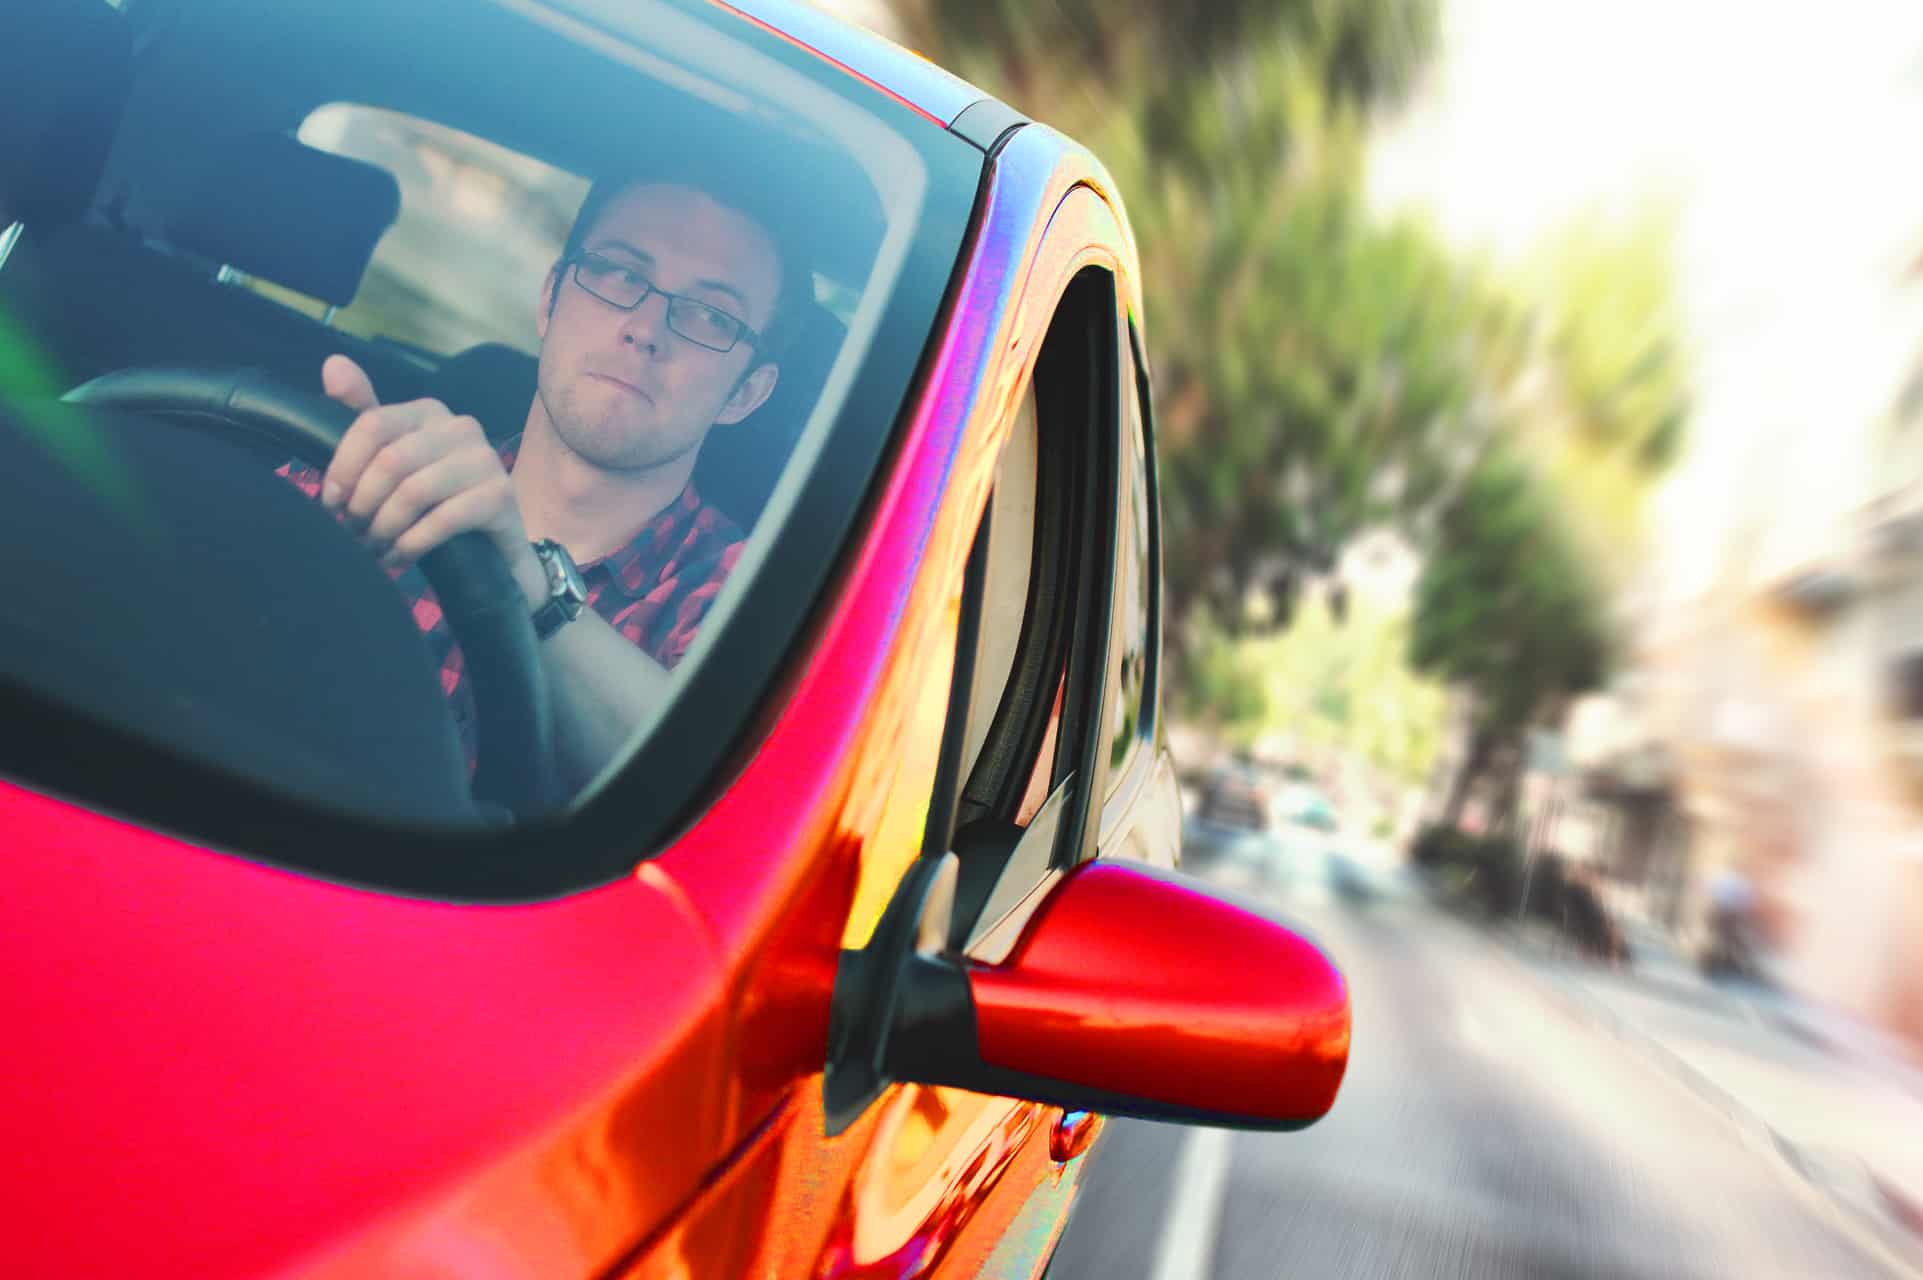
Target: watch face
566,587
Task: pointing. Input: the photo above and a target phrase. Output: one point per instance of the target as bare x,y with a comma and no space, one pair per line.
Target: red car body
217,1066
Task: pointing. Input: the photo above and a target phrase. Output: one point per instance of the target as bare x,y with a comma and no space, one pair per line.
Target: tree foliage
1326,687
1607,411
1509,611
1506,605
1069,61
1317,379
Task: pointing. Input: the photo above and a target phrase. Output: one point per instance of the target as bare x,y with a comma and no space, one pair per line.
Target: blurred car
1236,795
834,970
1305,806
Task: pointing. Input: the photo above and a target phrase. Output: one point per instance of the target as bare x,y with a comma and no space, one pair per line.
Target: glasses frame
743,331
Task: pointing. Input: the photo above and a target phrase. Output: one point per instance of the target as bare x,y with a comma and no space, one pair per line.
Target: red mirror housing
1144,984
1132,991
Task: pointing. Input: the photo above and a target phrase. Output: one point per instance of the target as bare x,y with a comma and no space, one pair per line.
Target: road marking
1187,1245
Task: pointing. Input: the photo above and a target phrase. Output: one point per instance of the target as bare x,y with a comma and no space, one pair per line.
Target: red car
332,943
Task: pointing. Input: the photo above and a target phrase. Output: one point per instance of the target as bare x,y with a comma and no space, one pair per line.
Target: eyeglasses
623,286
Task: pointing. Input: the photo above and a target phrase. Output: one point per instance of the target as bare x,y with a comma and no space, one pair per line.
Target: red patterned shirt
654,591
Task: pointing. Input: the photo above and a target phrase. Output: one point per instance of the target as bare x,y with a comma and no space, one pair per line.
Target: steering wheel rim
483,604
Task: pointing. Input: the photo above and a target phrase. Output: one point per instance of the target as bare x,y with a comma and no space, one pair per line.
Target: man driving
655,329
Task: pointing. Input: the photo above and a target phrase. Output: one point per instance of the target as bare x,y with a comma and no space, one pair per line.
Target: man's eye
605,271
712,323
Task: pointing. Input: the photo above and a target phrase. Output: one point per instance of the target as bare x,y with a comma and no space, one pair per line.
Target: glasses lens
703,325
610,281
626,287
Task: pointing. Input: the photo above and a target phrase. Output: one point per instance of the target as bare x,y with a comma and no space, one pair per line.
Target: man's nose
647,324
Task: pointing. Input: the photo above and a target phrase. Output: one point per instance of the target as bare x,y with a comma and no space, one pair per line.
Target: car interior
163,176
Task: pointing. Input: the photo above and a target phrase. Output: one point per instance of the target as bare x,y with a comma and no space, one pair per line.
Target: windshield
607,289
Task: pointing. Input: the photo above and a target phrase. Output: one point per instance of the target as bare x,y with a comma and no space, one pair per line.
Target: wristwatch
567,593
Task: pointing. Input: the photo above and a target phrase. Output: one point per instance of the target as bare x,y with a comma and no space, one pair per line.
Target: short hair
795,287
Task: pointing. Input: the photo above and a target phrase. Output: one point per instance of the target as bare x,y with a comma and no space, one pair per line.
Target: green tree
1508,610
1317,378
1587,367
1310,365
1600,391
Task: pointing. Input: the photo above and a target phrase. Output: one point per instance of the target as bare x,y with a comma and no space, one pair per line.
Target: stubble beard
601,439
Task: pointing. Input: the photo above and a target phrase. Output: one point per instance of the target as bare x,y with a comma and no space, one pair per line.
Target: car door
956,1179
946,1172
1050,758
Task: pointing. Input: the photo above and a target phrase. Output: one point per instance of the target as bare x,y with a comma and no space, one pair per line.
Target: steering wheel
479,597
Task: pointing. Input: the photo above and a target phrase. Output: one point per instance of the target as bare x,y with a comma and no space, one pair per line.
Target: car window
667,236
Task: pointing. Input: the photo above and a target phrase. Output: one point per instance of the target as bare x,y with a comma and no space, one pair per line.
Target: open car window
401,184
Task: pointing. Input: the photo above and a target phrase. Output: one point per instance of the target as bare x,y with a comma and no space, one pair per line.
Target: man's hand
410,476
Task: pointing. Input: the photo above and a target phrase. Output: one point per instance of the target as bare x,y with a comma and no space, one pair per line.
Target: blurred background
1540,393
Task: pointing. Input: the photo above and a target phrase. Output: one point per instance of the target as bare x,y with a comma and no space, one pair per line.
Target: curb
1895,1225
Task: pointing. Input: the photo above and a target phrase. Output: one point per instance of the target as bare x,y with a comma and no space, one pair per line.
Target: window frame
1123,782
1058,675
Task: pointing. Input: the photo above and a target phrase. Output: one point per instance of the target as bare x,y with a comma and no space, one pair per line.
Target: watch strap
550,618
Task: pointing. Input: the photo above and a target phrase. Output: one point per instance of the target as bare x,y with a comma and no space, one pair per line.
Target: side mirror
1130,991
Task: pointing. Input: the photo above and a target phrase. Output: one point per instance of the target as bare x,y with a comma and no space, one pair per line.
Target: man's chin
616,446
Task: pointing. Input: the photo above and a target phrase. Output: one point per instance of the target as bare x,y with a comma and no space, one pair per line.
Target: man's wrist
567,591
531,575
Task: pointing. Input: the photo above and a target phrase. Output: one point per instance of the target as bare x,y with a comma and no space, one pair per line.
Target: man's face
623,390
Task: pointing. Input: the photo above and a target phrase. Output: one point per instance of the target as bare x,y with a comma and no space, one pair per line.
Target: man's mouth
624,384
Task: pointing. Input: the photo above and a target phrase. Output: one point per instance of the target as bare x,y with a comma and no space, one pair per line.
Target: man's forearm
602,689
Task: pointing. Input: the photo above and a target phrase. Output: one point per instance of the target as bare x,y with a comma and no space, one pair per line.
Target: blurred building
1773,722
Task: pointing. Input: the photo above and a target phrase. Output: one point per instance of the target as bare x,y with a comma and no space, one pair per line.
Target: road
1483,1130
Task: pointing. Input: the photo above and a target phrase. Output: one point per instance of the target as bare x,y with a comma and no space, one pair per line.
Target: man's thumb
347,382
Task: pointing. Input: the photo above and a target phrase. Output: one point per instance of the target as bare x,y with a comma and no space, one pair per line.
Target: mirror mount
873,984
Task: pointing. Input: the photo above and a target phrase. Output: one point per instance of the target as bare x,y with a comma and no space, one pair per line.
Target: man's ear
750,393
549,296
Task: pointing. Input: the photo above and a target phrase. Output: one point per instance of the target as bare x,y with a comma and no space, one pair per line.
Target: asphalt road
1482,1130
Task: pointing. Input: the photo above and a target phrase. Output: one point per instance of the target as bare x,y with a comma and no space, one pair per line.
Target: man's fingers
431,485
364,471
471,508
347,382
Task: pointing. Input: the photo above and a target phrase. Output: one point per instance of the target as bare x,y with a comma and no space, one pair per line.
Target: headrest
492,383
276,208
740,463
65,68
